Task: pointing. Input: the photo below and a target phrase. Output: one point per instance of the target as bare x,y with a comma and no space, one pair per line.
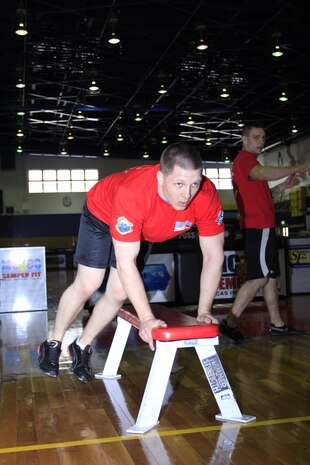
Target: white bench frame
160,372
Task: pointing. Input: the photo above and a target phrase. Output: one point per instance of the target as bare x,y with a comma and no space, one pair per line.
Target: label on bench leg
216,374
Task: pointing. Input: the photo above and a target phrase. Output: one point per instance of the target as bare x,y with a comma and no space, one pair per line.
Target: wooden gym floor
46,421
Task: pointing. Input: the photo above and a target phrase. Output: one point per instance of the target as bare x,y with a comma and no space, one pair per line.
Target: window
53,181
221,177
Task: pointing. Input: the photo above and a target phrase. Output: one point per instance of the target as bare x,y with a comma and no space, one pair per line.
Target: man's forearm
273,173
134,288
275,191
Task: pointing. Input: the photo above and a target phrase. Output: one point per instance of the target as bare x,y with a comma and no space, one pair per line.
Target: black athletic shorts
95,247
261,253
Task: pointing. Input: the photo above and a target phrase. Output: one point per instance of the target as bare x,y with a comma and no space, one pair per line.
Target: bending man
146,203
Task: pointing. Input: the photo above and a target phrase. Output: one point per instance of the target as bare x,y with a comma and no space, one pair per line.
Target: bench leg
116,350
155,388
220,386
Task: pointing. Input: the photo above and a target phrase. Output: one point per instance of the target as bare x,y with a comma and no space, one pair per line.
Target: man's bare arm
126,254
212,248
273,173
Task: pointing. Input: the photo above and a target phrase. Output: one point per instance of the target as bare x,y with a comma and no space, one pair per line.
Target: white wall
14,183
300,151
15,188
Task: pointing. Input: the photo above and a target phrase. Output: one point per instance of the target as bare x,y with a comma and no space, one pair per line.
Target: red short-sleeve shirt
129,203
253,197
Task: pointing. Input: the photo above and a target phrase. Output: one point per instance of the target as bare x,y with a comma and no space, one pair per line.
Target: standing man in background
258,222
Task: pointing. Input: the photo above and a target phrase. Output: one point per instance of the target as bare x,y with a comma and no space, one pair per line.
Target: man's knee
258,283
86,287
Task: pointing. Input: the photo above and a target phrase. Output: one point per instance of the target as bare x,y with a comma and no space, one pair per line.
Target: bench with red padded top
182,331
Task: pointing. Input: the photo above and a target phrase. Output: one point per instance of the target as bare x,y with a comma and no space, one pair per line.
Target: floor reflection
226,444
21,333
152,442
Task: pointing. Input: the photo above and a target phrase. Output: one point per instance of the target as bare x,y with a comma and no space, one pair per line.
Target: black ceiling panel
67,48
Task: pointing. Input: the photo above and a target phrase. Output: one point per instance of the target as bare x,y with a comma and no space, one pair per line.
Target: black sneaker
80,362
284,331
48,359
233,333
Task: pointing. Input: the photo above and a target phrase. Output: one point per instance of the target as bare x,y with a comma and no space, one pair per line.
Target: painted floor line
154,433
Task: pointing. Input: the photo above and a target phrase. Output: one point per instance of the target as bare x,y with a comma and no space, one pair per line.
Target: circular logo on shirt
123,226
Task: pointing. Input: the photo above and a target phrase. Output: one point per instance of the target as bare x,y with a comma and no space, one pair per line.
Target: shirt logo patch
182,225
123,226
220,217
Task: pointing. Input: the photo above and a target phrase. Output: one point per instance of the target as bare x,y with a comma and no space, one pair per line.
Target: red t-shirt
129,203
253,197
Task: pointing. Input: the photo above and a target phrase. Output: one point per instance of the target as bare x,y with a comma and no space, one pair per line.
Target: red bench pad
180,326
178,333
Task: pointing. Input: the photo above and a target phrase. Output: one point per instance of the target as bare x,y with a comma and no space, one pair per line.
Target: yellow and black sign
299,257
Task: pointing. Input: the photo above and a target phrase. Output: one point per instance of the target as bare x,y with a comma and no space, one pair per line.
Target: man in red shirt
141,205
257,220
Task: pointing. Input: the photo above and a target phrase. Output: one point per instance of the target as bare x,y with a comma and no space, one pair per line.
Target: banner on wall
233,274
299,256
22,279
299,264
158,277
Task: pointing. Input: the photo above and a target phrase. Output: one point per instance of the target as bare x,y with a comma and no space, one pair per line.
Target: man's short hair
247,128
181,154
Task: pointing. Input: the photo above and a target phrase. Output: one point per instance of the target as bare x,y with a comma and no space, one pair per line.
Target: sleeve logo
123,226
220,217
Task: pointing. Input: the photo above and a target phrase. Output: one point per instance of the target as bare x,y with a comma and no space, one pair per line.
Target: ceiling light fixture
162,89
20,133
224,93
138,117
208,138
120,137
93,87
202,45
80,115
164,140
190,120
113,40
277,51
106,152
63,151
226,156
145,154
20,84
19,149
20,113
283,97
70,136
21,29
294,129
